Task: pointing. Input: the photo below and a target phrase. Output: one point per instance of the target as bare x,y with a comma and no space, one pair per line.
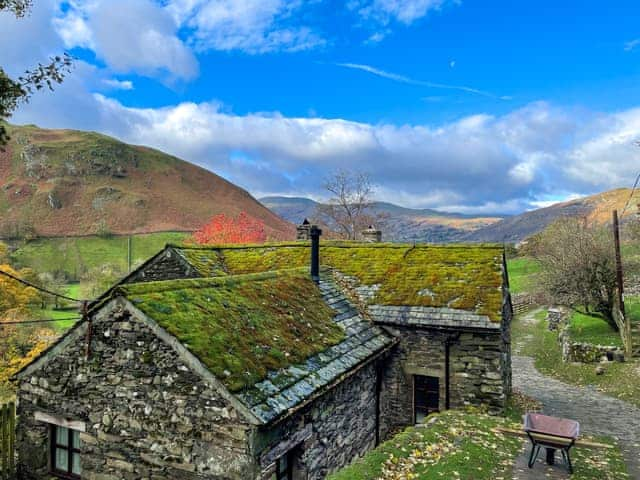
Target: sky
462,105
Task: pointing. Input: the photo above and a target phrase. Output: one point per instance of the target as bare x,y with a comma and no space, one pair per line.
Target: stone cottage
234,363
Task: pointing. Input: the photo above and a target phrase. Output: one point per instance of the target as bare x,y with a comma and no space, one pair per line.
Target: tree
15,91
578,266
225,229
348,208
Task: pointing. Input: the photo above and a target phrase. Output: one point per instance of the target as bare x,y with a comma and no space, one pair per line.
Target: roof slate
286,388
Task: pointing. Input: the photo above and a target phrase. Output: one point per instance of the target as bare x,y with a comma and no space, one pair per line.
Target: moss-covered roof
242,327
463,277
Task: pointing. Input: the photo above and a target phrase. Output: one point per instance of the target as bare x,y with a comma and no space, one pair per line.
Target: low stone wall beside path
558,319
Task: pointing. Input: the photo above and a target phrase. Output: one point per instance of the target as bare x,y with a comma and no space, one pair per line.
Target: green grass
522,274
62,325
592,329
454,445
73,256
621,380
460,445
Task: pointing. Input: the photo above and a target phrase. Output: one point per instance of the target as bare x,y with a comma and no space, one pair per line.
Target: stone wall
166,266
475,364
147,415
330,433
582,352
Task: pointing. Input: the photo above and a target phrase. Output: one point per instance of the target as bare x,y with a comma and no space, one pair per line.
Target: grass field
62,325
461,445
592,329
73,256
621,380
522,274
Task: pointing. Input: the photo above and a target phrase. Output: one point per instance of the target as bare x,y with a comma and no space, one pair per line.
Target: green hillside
74,256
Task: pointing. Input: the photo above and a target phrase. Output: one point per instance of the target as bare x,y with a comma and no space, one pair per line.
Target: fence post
4,417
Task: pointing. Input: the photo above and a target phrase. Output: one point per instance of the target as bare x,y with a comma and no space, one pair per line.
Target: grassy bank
592,329
522,274
621,380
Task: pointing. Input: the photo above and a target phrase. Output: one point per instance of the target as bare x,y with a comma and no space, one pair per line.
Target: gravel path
597,413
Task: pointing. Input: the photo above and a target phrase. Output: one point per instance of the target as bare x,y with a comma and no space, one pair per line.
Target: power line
41,289
633,190
49,320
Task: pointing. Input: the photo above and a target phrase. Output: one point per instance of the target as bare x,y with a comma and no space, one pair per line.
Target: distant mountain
397,224
67,182
596,209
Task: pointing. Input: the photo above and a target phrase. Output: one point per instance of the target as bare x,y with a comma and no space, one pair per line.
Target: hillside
596,209
67,183
397,223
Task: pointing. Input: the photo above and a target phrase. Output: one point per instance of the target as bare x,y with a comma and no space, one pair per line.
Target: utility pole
619,271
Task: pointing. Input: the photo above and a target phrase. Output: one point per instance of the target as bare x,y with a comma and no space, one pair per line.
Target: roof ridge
334,244
206,282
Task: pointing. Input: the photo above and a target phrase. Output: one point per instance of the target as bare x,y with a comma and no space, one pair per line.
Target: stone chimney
303,231
371,235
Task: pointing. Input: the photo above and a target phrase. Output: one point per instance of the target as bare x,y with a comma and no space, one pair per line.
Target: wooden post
619,271
4,421
12,439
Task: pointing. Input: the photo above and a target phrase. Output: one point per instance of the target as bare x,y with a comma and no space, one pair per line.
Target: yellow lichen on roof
465,277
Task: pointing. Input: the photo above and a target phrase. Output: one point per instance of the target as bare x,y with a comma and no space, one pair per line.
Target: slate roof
210,317
461,277
286,388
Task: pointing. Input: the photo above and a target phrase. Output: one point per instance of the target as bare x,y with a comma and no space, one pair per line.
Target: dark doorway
426,396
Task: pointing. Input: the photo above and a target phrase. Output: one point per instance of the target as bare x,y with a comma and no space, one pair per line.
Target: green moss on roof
466,277
242,327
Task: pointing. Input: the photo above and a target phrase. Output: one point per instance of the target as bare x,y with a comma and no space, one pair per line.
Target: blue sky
463,105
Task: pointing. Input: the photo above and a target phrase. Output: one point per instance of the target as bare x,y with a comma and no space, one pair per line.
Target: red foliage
224,229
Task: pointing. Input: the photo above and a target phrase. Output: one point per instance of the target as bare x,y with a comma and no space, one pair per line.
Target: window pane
75,439
62,436
75,464
62,460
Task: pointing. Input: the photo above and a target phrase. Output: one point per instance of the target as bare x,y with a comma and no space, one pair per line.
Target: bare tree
348,208
578,266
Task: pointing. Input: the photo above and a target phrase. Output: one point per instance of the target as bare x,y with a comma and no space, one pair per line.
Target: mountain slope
596,209
66,182
397,223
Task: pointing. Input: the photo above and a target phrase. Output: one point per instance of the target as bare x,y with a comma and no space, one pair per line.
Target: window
65,452
426,396
284,467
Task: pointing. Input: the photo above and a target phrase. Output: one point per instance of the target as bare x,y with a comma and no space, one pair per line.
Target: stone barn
234,363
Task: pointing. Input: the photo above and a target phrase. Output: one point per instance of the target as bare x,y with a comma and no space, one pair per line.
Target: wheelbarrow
553,434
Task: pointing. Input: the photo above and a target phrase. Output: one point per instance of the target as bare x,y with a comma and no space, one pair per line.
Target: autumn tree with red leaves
226,229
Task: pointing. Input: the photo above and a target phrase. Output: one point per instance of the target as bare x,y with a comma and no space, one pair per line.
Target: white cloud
129,35
386,11
631,44
478,164
116,84
252,26
403,79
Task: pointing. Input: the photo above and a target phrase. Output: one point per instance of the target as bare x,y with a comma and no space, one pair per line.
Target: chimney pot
302,230
372,235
